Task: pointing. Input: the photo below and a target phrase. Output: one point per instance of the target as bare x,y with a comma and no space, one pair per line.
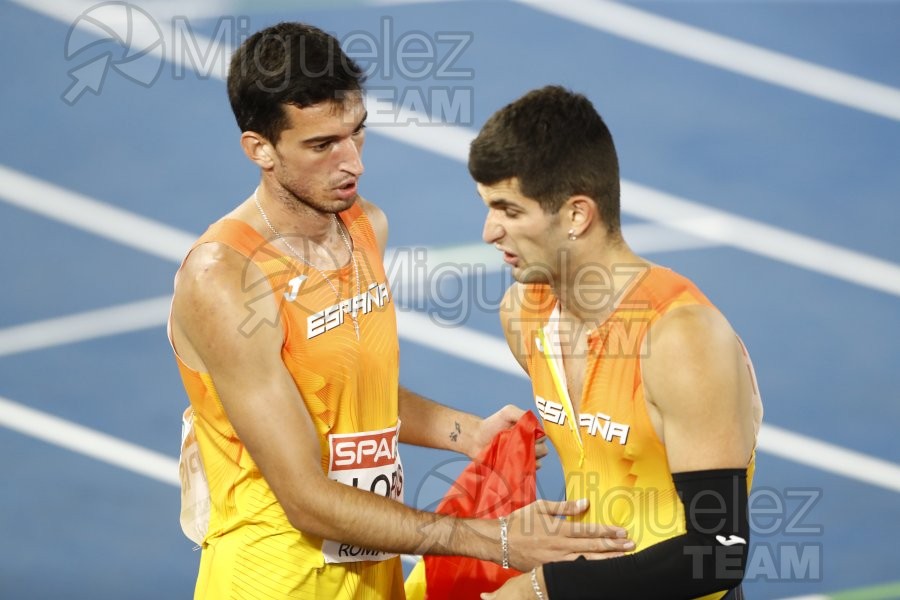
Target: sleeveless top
610,452
350,389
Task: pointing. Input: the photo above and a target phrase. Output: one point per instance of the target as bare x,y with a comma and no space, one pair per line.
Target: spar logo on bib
363,450
368,461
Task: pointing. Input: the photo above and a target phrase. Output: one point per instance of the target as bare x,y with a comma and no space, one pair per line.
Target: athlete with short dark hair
644,389
285,336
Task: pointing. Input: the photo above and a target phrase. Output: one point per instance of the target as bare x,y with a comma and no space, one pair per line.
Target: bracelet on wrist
504,541
535,584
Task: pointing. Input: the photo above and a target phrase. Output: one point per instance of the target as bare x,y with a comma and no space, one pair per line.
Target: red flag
500,480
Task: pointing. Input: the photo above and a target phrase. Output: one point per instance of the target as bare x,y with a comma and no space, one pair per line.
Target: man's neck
294,219
592,285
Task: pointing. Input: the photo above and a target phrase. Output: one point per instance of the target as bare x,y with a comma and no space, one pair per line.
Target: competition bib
368,461
194,487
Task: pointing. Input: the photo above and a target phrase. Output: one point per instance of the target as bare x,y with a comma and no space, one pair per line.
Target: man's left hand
502,420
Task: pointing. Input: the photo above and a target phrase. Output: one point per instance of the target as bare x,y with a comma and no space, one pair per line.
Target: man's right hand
537,535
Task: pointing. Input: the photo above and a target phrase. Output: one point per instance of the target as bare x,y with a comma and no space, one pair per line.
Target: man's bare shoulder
215,316
690,348
217,280
378,220
691,329
210,269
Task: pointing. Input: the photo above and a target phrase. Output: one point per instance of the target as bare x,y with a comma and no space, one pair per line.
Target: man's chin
530,275
345,203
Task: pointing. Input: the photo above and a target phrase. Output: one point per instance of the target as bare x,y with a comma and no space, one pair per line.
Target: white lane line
456,147
86,441
84,326
181,48
409,283
761,239
488,351
809,451
727,53
694,218
144,234
458,341
463,343
167,242
142,33
93,216
673,214
661,237
127,228
764,240
618,19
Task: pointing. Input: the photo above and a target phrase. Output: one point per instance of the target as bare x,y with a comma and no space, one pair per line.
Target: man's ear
258,149
578,213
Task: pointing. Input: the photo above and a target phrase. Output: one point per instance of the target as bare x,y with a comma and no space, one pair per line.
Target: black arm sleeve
709,557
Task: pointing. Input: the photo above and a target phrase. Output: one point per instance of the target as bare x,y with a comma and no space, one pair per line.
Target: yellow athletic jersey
349,386
610,452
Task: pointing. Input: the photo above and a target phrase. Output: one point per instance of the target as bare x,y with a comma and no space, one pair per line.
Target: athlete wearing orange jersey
340,382
284,331
644,389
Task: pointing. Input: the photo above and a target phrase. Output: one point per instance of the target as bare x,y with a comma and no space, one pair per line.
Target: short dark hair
288,63
557,145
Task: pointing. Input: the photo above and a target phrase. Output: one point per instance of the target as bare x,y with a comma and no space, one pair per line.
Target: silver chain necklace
337,294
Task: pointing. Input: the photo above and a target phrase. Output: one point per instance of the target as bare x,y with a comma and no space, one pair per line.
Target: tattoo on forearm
454,435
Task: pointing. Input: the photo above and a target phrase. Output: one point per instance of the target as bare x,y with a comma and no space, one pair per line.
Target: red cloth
500,480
